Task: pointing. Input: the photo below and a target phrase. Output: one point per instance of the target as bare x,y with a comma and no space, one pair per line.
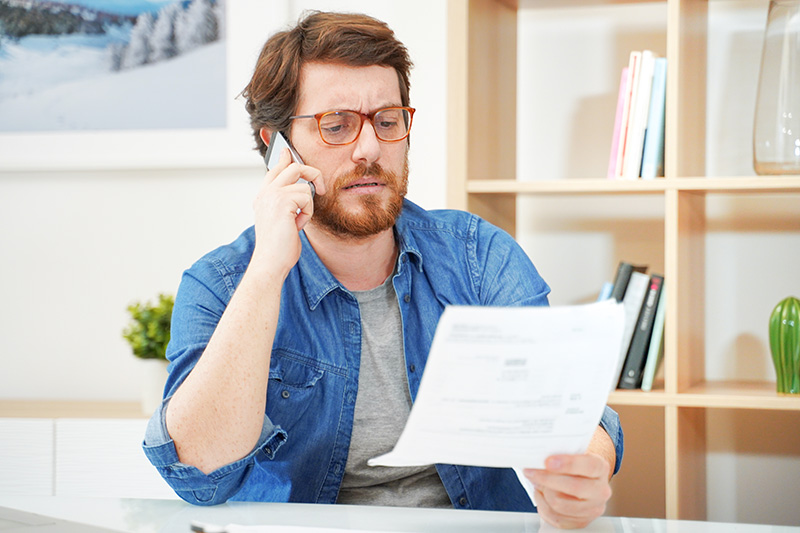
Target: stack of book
642,348
637,146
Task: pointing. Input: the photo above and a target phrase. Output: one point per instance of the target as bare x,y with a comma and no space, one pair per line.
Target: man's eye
337,127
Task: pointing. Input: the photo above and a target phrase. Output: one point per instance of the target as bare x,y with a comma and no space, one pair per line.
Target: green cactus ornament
784,343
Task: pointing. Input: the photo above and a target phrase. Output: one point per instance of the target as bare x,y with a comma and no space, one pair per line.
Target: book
653,150
633,69
623,89
605,291
655,352
622,277
632,301
631,376
637,121
630,285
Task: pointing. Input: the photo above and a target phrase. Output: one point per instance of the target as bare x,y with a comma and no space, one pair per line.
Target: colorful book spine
653,151
631,377
633,71
637,122
622,277
655,352
623,89
630,286
605,291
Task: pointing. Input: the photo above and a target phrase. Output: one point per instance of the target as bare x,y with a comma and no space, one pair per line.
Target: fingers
288,172
551,510
286,191
281,208
572,490
587,465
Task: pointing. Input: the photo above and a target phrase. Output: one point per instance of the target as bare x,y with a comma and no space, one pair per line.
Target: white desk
172,516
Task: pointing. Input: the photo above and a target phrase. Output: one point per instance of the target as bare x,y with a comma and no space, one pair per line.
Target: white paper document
510,386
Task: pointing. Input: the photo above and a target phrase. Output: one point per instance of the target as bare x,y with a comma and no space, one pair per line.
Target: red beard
374,216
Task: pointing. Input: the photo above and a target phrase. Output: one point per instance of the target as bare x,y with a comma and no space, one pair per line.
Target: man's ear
265,135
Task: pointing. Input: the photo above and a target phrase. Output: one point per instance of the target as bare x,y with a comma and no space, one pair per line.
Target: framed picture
109,84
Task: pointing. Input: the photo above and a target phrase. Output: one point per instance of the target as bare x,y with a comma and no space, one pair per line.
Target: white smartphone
277,143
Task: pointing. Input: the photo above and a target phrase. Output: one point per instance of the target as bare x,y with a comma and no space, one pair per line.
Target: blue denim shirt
446,257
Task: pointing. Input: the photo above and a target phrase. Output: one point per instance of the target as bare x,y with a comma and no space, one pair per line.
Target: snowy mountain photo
111,65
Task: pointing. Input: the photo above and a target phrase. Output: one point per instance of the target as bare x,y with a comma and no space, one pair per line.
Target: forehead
326,86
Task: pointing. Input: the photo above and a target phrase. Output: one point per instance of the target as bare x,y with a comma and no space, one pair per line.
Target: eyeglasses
391,124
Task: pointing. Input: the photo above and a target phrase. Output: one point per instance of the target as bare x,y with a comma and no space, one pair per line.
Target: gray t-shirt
382,407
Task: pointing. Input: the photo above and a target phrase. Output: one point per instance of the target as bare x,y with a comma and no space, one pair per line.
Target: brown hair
351,39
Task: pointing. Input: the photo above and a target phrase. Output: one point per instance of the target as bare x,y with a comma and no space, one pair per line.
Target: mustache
389,179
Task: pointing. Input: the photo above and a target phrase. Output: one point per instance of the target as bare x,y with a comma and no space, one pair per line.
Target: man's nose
368,147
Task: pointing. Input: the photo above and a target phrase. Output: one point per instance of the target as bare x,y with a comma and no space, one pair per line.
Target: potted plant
148,336
784,343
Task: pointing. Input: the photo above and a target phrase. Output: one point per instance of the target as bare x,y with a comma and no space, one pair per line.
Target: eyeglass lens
342,127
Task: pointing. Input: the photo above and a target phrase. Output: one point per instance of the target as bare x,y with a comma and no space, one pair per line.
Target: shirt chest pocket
294,387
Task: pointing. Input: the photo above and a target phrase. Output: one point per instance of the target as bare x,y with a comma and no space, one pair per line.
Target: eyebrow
344,108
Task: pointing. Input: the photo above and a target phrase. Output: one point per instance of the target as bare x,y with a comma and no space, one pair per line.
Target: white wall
78,246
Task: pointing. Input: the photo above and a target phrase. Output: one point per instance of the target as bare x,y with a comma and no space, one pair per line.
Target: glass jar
776,133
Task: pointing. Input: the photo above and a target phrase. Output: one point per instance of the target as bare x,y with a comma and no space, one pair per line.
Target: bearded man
297,350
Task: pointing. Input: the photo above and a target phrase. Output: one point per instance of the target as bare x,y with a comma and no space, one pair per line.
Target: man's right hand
282,208
217,413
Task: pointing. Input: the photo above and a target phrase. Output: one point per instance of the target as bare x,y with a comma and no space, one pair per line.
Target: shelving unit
70,409
482,178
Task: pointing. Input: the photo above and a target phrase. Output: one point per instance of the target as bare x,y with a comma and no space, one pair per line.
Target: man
297,350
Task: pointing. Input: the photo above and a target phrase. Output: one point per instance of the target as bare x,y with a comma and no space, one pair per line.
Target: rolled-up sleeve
189,482
610,423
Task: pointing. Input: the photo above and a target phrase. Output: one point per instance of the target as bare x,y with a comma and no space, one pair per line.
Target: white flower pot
154,377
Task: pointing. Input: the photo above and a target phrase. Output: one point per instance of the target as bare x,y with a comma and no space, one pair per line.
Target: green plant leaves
148,331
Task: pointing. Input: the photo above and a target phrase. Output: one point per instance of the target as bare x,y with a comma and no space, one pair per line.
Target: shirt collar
405,236
317,281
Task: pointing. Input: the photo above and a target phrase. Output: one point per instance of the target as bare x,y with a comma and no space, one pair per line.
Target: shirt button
285,394
407,298
462,502
412,368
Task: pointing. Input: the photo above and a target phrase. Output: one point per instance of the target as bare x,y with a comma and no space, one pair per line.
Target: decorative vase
776,132
154,378
784,343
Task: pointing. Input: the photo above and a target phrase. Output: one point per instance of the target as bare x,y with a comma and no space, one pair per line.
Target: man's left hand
572,490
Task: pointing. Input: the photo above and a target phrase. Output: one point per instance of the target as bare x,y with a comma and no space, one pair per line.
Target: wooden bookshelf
723,395
69,409
733,185
482,178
